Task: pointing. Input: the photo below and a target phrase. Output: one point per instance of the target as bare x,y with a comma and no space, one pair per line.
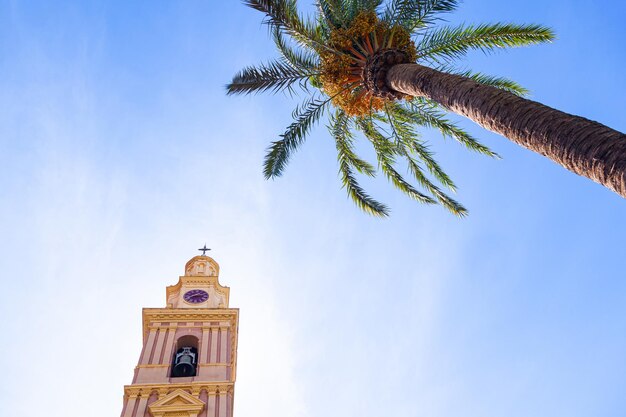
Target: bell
185,363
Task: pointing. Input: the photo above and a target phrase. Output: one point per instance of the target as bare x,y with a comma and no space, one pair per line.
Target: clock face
196,296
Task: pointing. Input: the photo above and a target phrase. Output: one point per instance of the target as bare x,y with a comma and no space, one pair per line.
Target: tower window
185,360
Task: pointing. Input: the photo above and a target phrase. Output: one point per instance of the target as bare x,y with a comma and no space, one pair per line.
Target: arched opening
185,360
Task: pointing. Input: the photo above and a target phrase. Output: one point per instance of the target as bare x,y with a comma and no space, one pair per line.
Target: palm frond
424,153
340,129
408,144
499,82
283,15
305,117
402,123
426,113
359,196
445,200
386,152
274,76
341,13
414,14
333,12
303,60
447,43
354,7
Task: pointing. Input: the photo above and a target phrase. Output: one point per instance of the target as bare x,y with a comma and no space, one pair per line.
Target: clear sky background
120,155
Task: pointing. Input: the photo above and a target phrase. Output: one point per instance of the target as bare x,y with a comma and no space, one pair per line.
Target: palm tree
385,69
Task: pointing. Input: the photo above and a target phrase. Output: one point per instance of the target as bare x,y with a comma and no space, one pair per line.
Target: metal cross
204,249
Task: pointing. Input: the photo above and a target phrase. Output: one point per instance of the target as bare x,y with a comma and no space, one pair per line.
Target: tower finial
204,249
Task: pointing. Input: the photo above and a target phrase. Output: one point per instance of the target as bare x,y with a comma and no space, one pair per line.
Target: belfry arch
185,358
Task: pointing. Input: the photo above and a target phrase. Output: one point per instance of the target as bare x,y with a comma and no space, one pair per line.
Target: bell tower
187,366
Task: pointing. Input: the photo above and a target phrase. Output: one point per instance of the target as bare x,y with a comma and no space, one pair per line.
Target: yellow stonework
177,403
196,319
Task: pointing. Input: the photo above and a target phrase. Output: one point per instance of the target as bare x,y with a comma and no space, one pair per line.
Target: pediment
176,403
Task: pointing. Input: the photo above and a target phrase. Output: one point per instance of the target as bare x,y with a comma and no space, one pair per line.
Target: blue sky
121,154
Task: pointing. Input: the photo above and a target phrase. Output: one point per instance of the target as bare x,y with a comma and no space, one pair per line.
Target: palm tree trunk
581,145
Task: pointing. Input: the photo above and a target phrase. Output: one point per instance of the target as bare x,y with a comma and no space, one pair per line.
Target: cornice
168,315
203,327
167,365
145,390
